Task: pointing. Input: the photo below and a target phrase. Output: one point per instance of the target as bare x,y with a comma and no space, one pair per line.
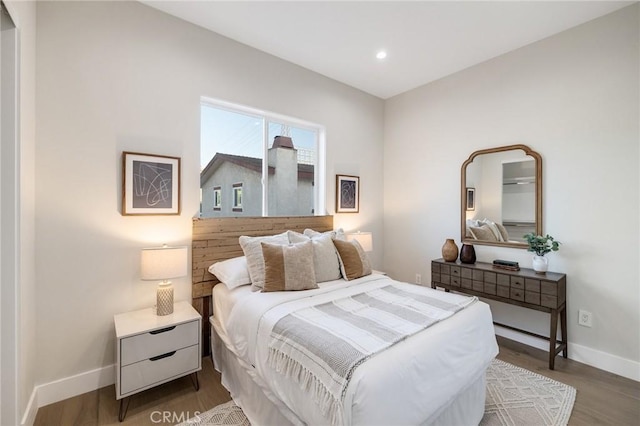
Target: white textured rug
515,397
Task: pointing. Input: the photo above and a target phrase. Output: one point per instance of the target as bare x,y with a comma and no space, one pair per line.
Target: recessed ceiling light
381,54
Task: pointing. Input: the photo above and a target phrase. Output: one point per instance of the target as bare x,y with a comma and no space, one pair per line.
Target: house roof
305,171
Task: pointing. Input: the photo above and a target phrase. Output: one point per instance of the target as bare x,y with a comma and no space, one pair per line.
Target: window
278,159
217,198
237,197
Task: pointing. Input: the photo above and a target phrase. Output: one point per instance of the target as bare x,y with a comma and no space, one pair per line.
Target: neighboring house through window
264,164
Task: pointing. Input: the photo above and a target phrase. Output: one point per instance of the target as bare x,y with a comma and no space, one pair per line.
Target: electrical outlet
418,279
584,318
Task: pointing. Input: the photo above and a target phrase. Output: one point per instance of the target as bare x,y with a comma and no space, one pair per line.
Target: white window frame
319,194
217,198
236,206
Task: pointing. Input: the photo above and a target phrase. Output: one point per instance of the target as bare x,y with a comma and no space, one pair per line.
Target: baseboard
595,358
30,412
68,387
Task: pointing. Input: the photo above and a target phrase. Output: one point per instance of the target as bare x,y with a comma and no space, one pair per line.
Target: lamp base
164,300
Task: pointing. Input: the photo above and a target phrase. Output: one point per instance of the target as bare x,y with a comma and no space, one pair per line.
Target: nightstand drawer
159,369
144,346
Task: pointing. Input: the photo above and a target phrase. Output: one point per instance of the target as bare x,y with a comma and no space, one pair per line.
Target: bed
431,375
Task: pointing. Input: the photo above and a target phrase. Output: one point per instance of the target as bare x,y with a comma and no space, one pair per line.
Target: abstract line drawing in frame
150,184
471,198
347,194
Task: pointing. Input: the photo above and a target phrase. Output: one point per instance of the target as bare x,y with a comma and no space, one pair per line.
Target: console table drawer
532,285
532,297
549,301
467,283
466,273
490,277
503,279
503,291
455,270
547,287
517,285
517,281
489,288
455,281
517,294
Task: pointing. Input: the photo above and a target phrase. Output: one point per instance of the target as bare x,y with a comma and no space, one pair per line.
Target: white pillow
337,234
253,251
232,272
325,256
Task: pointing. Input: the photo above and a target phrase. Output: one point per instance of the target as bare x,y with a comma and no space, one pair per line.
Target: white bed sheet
410,383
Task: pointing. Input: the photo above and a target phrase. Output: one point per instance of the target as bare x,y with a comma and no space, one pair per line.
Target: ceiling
425,40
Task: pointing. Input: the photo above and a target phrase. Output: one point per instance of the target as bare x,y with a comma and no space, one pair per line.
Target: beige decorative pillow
253,252
482,233
325,256
503,232
288,267
492,226
354,262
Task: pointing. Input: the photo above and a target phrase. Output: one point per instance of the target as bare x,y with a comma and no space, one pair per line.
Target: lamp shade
161,263
364,238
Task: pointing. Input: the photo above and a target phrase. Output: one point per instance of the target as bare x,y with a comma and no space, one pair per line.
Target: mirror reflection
501,196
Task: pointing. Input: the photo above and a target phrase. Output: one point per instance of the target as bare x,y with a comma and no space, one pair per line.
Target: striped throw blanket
319,347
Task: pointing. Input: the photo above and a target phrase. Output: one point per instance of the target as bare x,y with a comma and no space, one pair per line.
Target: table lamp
163,263
364,238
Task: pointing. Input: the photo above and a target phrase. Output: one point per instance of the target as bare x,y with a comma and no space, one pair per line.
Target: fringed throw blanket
320,346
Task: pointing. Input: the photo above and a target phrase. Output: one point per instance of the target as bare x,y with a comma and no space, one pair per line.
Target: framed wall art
150,184
471,198
347,194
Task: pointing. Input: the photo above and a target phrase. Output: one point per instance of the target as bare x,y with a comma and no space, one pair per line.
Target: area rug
515,397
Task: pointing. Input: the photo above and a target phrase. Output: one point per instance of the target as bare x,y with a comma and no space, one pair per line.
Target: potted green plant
541,245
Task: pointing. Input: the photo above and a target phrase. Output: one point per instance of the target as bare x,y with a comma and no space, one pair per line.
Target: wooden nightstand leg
552,338
122,413
194,380
563,330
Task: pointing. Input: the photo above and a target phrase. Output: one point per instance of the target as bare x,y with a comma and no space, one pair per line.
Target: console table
542,292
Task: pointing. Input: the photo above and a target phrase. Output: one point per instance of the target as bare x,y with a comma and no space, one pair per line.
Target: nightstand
152,350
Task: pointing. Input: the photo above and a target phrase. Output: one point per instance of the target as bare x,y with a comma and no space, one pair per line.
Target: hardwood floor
602,398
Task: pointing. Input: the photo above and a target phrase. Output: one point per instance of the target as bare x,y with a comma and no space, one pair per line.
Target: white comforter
417,377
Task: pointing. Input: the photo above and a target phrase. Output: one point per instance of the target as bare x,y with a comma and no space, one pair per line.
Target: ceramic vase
540,264
449,251
468,254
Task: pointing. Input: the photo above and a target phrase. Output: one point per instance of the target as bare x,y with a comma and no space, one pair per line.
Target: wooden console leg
552,338
563,330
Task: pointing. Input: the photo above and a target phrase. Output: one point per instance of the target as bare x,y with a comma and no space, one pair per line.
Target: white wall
573,98
115,76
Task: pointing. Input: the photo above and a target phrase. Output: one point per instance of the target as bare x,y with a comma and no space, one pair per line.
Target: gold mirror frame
463,195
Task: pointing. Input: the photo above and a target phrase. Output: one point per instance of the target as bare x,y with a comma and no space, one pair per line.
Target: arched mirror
501,196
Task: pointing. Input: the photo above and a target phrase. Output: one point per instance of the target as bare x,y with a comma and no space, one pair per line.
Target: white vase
540,264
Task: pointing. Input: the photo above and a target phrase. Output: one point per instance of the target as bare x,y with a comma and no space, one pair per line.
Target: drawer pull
167,355
162,330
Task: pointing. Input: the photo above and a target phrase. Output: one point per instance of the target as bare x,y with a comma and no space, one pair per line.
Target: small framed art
471,198
150,184
347,194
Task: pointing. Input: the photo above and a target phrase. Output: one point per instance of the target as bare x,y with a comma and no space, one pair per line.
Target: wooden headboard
216,239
